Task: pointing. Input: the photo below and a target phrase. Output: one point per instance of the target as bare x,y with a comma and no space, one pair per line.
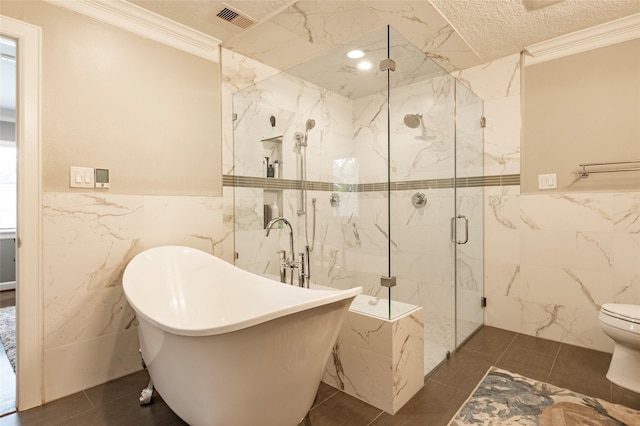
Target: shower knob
419,200
334,199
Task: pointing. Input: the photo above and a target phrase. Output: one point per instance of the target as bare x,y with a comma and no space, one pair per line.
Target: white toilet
622,323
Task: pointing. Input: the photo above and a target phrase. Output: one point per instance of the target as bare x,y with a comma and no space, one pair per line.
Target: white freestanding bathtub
226,347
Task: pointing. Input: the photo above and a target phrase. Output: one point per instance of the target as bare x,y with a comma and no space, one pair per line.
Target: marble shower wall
291,102
544,275
551,260
349,146
90,334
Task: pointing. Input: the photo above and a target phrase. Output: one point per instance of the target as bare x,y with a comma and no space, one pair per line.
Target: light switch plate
81,177
548,181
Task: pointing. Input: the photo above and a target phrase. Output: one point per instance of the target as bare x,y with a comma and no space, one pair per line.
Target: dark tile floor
445,390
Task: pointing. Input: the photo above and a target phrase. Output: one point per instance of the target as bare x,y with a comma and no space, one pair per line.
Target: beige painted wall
583,108
111,99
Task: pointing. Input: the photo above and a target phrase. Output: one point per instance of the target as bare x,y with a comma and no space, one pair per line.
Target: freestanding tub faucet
288,264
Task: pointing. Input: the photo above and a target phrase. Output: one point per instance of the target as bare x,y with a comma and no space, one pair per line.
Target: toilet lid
622,311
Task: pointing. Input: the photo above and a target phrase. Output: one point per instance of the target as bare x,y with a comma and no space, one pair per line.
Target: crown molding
606,34
147,24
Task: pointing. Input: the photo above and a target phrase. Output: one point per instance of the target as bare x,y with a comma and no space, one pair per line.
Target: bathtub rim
324,297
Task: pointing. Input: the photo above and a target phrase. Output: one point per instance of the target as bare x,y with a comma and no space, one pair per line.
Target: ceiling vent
235,17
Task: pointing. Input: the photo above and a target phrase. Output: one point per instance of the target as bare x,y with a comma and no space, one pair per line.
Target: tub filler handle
302,271
283,265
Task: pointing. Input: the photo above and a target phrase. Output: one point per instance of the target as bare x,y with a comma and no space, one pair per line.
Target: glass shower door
422,170
469,213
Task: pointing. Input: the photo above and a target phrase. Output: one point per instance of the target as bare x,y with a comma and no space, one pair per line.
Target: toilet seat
630,313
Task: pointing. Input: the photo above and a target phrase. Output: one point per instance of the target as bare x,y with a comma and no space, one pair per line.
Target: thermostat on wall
102,178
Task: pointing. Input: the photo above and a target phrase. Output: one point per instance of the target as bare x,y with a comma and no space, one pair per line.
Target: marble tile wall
379,361
350,147
544,275
90,333
551,260
352,241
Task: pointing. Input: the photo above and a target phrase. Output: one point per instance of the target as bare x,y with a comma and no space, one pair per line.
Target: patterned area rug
504,398
8,333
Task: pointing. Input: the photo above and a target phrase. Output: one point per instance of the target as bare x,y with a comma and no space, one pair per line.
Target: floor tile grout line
553,364
324,400
507,348
375,418
88,399
449,386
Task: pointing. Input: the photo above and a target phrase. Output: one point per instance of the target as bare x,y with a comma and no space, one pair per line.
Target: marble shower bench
379,361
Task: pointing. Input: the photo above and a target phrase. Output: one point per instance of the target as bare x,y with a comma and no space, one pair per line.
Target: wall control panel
549,181
81,177
88,177
102,178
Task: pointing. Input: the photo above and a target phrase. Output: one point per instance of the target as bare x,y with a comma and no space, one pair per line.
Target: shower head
413,120
310,124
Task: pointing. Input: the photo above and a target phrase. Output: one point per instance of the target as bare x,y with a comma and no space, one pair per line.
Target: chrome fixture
284,263
301,139
413,121
388,281
334,199
290,264
387,65
147,393
309,124
584,173
454,226
301,144
419,200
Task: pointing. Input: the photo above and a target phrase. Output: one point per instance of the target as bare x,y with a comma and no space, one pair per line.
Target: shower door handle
453,229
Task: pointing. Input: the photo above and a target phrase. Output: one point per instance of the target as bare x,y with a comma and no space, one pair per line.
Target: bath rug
504,398
8,333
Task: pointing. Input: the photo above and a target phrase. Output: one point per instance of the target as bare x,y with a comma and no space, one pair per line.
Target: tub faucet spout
291,262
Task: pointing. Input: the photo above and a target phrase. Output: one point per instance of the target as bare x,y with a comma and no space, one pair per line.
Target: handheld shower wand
310,124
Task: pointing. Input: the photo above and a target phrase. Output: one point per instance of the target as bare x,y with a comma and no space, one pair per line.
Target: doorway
29,323
8,224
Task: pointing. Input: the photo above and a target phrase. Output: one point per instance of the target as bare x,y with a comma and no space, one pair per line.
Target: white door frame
29,283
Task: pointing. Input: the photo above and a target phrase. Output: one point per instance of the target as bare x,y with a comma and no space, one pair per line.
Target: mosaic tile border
461,182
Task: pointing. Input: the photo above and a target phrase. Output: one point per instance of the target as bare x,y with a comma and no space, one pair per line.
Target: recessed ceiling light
364,65
355,54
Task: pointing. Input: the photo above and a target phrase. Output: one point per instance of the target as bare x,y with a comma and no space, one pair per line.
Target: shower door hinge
234,116
483,302
483,121
388,281
387,65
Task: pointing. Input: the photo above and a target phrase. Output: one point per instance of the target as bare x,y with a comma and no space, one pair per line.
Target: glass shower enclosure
373,153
